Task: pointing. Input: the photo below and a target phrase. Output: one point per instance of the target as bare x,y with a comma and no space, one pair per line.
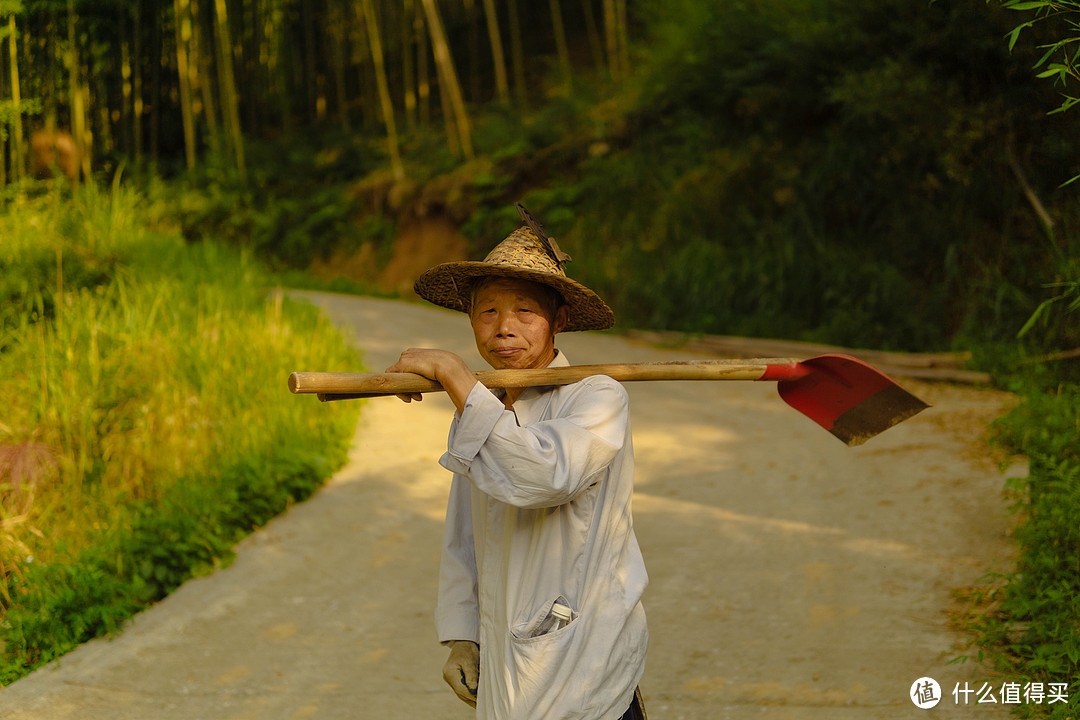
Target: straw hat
527,254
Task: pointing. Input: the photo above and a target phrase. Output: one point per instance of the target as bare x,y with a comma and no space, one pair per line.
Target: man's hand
462,670
442,366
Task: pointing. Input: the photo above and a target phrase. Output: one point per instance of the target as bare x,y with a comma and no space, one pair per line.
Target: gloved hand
462,670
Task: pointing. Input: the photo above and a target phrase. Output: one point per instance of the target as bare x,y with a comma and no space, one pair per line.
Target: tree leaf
1039,312
1014,36
1029,5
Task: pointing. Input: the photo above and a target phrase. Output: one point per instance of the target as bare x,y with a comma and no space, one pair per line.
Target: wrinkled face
514,325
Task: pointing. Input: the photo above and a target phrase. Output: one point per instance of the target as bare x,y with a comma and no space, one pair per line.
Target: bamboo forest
143,80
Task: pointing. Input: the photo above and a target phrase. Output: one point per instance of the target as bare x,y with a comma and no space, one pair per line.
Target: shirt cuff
474,425
457,623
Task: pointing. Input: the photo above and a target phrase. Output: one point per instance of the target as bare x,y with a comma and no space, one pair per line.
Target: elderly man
541,577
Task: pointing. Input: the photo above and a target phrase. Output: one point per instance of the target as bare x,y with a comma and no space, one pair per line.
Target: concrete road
791,576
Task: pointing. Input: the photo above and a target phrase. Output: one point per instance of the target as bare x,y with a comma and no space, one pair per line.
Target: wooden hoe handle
340,386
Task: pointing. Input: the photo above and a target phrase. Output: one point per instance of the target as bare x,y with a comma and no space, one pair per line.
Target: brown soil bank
421,242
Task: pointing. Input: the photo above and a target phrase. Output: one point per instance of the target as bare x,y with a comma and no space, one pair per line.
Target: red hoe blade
847,397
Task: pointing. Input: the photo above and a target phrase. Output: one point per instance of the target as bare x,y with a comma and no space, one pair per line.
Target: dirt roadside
791,576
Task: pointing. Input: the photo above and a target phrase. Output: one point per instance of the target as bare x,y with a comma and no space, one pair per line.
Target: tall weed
143,388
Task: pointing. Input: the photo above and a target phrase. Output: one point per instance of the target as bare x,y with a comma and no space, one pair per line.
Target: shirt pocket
542,663
553,617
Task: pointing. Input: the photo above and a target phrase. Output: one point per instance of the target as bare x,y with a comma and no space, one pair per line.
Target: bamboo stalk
201,77
611,38
423,83
183,39
502,86
623,36
449,76
127,126
563,50
375,42
136,83
156,56
4,142
517,55
18,165
338,31
595,45
408,62
78,109
230,109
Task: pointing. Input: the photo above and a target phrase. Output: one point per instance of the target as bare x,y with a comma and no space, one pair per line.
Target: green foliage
771,171
153,378
1060,19
295,207
1069,296
9,110
1031,631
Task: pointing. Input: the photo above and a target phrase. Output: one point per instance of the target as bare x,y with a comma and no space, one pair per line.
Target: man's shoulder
598,388
598,381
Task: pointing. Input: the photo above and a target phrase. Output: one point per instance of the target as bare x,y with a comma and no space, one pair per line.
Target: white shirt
539,512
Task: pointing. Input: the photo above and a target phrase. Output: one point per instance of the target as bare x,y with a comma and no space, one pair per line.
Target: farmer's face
513,326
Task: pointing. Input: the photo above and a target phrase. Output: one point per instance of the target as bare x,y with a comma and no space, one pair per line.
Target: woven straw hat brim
449,285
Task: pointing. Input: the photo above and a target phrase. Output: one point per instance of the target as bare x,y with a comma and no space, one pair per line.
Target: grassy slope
147,424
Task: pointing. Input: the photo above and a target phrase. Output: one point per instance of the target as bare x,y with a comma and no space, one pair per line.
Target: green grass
147,425
1025,622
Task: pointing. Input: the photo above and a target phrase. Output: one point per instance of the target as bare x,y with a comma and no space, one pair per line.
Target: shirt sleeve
544,464
457,610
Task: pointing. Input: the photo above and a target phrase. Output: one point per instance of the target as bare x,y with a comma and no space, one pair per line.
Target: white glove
462,669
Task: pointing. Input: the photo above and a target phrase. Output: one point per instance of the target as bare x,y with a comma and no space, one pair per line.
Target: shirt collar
533,403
